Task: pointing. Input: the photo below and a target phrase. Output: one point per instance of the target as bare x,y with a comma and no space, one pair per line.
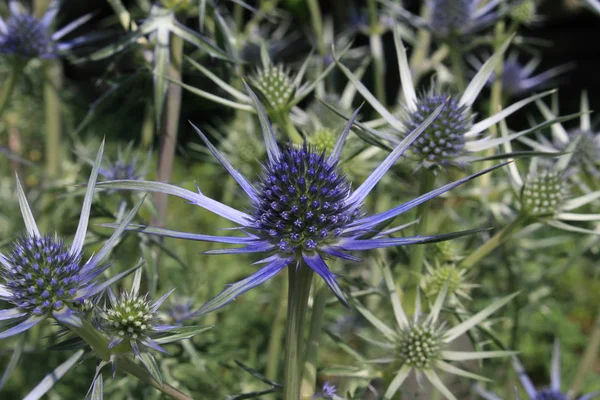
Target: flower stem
587,361
299,280
377,52
458,67
496,240
496,96
417,253
9,86
289,128
170,124
309,377
277,330
99,343
148,127
317,24
53,111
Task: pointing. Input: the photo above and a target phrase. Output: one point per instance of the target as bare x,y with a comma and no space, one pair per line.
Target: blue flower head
42,277
444,139
304,211
24,37
452,18
455,136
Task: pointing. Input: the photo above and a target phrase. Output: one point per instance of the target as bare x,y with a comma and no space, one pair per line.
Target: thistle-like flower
179,310
586,153
440,275
453,17
24,37
126,166
453,137
554,392
277,87
544,195
133,318
42,277
423,344
519,78
303,210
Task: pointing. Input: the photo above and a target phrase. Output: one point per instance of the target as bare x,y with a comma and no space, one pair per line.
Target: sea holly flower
553,392
586,153
453,138
179,310
423,343
544,192
277,87
519,78
133,318
303,210
24,37
450,18
42,277
449,275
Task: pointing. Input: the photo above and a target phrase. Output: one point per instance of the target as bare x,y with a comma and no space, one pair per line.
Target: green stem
494,242
287,125
589,357
9,86
299,288
377,52
99,344
317,24
277,330
148,127
309,377
496,97
170,124
53,111
458,67
417,254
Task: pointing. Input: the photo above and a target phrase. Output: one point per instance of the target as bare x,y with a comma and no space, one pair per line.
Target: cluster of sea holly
310,186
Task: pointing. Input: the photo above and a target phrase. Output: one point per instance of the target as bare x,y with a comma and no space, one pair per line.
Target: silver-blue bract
41,277
304,210
24,37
